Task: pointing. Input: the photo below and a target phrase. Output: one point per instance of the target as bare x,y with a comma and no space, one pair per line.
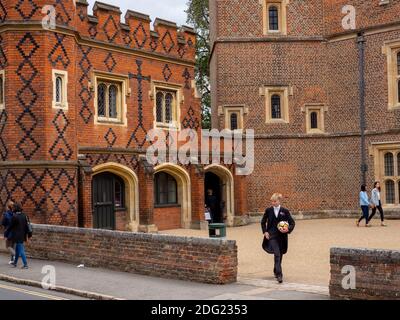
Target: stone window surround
281,4
320,108
3,104
226,111
391,49
64,99
178,89
123,92
283,92
378,151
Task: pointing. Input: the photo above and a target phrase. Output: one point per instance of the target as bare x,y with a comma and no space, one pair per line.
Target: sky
172,10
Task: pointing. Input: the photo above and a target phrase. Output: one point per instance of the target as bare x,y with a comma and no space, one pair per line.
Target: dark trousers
277,257
365,211
374,211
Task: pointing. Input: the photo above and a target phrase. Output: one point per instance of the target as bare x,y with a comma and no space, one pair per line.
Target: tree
199,18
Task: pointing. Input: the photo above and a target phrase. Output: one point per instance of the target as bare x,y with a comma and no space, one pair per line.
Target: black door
213,182
103,201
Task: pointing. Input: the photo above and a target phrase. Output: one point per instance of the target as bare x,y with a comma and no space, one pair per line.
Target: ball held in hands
283,226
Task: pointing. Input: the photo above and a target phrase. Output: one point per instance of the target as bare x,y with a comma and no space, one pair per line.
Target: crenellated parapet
105,25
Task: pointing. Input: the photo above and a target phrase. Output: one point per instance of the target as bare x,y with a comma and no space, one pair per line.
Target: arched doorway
213,191
220,180
119,183
108,197
183,191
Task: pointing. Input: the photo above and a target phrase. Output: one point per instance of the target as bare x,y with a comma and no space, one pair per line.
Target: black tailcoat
269,223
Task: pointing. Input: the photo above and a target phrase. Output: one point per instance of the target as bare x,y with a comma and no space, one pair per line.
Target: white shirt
276,210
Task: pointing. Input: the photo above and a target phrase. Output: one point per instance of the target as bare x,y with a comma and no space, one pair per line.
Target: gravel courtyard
308,258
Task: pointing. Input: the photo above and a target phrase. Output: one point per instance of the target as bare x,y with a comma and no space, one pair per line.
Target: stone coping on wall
185,258
164,238
376,274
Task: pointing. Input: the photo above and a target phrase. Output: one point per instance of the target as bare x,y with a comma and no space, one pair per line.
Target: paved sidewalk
137,287
308,259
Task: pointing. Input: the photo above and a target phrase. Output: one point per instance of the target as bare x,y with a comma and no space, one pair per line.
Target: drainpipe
361,86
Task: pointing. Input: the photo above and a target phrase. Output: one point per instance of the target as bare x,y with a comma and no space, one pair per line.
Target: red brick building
76,103
290,70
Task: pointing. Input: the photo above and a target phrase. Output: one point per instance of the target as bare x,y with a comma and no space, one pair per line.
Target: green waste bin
217,230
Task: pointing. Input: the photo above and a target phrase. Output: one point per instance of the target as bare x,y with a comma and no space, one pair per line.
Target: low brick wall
194,259
377,273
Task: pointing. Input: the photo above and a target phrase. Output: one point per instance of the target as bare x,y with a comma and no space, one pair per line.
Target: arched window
276,106
165,189
101,100
273,14
234,121
112,101
314,120
59,89
390,193
389,164
168,107
159,106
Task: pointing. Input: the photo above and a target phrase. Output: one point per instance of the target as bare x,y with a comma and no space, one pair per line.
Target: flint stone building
76,102
289,70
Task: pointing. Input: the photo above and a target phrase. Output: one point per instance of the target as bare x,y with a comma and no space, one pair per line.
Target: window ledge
277,121
164,126
63,106
109,121
316,131
174,205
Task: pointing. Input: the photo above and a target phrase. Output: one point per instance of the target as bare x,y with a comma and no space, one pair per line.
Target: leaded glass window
273,13
234,121
390,192
101,100
314,120
389,164
112,96
276,107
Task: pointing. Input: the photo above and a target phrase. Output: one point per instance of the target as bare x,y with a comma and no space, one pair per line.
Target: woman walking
6,223
364,203
19,229
376,203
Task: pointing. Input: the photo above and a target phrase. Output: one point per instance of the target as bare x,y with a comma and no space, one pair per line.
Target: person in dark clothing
19,230
6,223
275,239
212,204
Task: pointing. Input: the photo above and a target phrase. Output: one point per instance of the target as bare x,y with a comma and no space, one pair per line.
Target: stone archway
184,190
131,190
227,193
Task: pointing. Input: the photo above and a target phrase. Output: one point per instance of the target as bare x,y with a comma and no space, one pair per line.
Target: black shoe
279,278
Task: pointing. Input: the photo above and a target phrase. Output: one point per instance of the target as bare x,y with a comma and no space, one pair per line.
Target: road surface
10,291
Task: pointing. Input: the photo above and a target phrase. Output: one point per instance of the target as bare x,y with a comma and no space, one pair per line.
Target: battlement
106,24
